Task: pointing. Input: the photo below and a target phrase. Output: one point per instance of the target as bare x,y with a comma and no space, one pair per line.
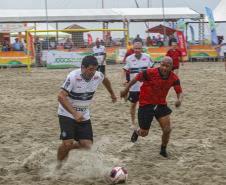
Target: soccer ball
118,175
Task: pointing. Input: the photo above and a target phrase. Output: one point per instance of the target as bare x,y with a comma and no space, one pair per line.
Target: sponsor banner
62,59
202,51
181,42
157,54
13,58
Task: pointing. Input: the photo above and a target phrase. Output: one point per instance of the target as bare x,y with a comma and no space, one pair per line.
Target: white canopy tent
220,11
96,15
43,26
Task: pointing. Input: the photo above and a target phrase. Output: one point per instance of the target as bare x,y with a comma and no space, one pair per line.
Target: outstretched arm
123,93
107,85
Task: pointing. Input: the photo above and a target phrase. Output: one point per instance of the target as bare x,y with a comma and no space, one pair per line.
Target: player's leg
85,134
133,98
133,107
163,117
102,69
67,135
65,147
145,117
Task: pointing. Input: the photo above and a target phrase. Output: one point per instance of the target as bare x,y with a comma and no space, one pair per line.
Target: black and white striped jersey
134,66
80,92
99,53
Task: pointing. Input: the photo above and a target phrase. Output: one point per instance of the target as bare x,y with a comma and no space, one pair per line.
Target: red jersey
175,55
155,87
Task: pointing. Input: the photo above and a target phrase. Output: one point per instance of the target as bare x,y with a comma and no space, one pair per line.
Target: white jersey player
75,97
135,63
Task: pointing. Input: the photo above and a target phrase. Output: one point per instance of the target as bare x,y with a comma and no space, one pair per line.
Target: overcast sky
194,4
23,4
197,5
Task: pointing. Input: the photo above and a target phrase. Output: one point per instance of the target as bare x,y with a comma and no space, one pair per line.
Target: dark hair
89,60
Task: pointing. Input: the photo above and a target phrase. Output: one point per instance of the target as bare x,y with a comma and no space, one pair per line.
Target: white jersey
135,65
99,53
80,92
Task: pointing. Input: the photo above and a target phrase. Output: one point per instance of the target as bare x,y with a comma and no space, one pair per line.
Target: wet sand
29,133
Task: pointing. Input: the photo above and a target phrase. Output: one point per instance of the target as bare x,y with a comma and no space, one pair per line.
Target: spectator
68,44
17,45
138,39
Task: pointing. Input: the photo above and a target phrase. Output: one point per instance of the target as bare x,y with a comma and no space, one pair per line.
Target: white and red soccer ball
118,175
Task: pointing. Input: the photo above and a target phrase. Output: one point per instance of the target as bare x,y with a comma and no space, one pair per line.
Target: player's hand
123,94
78,116
113,98
178,103
125,83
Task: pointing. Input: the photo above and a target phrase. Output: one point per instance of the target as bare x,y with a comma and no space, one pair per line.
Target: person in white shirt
135,63
74,99
223,53
99,51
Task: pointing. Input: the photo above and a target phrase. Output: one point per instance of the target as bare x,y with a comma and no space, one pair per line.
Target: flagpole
164,19
47,22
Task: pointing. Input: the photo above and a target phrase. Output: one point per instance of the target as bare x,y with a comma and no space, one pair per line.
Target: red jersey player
176,55
152,101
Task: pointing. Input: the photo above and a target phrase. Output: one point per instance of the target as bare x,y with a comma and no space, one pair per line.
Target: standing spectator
17,45
68,44
38,51
138,39
5,45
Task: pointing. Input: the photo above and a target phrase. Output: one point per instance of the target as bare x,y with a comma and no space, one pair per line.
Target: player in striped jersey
74,99
135,63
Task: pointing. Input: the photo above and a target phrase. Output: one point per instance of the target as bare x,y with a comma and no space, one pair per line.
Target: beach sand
29,134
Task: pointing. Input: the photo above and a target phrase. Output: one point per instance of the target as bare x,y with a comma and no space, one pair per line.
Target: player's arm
123,76
178,90
141,76
62,98
107,84
123,93
125,69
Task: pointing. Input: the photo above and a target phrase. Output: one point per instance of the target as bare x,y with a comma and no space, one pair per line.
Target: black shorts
148,112
127,77
134,96
101,68
70,129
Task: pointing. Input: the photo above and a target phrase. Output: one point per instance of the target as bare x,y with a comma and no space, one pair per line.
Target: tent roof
74,26
96,15
220,11
161,29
